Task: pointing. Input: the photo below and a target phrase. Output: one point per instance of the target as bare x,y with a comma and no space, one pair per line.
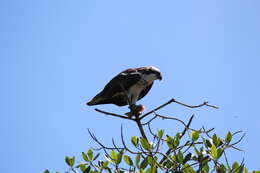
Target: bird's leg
132,102
135,110
132,108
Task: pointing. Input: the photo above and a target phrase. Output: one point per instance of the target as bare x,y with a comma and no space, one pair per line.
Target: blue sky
56,55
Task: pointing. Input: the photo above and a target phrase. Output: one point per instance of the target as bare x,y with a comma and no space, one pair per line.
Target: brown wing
145,91
124,80
113,92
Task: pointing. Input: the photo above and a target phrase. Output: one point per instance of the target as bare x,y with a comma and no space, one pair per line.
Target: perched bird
127,87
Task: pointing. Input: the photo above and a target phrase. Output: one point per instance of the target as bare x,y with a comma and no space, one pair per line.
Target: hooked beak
160,77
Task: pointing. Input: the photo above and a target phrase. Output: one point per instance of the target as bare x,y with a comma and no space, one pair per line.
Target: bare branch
113,114
138,122
196,106
239,140
100,144
159,107
123,142
226,160
182,122
180,103
187,126
114,144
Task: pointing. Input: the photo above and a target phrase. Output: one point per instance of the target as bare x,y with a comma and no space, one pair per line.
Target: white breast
135,90
149,78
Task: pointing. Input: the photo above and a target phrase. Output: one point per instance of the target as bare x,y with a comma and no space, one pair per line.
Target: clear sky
57,54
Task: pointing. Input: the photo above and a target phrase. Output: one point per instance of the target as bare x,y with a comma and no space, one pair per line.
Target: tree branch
113,114
180,103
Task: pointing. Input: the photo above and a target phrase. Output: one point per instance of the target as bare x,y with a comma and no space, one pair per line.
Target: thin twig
138,122
149,120
182,122
114,144
123,142
184,131
187,126
226,159
180,103
99,143
239,140
159,107
113,114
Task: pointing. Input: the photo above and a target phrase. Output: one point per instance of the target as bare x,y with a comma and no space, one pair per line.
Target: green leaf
113,156
85,157
187,169
105,163
137,160
151,170
215,140
87,170
151,160
195,135
108,169
180,157
170,142
207,143
196,151
144,164
228,137
160,133
205,168
220,152
214,152
67,160
82,167
119,157
177,140
46,171
145,144
94,172
70,161
90,154
128,160
241,168
235,167
134,140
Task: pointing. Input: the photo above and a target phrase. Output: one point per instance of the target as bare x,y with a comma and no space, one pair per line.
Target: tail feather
94,101
98,100
90,103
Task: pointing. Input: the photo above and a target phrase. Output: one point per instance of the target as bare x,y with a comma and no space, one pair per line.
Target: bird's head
155,72
151,73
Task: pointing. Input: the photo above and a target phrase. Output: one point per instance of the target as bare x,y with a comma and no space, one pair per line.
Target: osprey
127,87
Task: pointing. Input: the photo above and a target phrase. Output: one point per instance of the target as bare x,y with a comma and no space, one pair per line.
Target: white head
152,73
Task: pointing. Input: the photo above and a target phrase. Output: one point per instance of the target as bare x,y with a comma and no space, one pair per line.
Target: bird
127,87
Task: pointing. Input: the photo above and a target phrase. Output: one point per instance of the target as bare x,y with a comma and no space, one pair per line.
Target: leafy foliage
200,154
187,151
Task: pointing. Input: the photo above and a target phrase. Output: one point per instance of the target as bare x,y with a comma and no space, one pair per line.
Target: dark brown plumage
132,84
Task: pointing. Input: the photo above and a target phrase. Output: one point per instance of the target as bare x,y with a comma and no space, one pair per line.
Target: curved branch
180,103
